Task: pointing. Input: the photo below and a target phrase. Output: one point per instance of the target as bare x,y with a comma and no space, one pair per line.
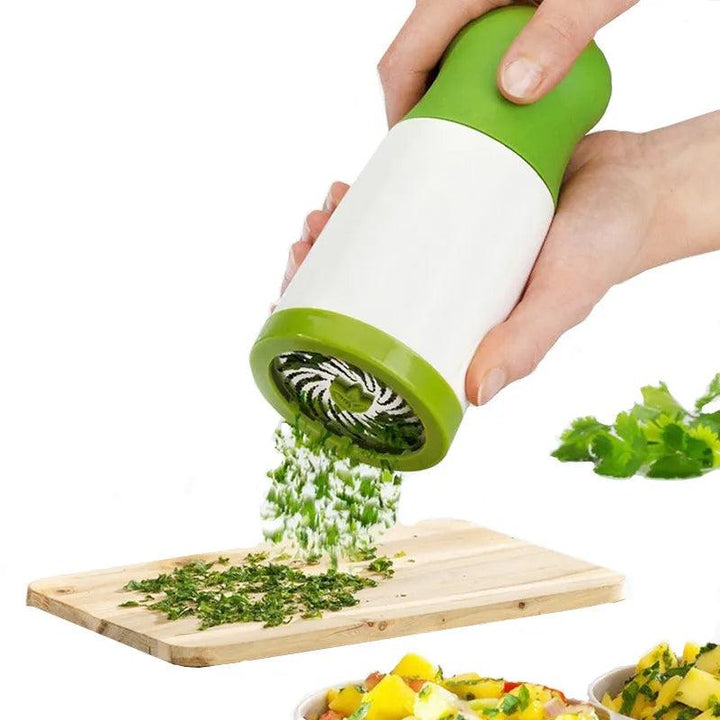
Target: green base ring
376,352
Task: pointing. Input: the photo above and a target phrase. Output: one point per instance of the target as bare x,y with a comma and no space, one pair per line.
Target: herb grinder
431,247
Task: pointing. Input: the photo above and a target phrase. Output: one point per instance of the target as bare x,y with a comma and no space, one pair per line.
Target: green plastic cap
545,133
369,395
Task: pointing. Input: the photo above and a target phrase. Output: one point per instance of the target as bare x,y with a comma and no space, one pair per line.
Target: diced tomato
331,715
510,686
372,680
415,684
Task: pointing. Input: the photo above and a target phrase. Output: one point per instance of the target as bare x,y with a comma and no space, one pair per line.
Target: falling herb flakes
258,590
321,503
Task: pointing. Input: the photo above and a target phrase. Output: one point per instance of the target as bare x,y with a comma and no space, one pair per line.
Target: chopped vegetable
271,593
658,438
417,690
670,687
320,503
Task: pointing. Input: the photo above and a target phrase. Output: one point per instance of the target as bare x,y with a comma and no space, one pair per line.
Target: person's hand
314,224
629,203
539,58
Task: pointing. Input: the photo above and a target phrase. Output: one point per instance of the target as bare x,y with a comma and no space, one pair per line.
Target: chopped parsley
629,697
382,566
658,438
515,702
257,590
688,713
321,503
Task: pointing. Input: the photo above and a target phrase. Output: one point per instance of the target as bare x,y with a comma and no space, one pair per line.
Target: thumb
406,67
546,49
551,305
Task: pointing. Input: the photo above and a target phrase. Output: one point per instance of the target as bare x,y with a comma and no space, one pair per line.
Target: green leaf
660,400
677,440
674,467
711,420
658,438
712,393
524,696
629,697
509,704
578,439
673,436
622,455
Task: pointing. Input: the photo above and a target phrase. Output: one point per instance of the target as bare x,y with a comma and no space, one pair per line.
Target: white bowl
316,704
612,682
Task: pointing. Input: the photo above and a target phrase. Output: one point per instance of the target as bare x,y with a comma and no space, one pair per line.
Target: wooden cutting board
452,575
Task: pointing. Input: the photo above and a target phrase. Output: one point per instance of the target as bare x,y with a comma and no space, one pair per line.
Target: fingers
551,42
337,192
559,295
406,66
314,224
514,348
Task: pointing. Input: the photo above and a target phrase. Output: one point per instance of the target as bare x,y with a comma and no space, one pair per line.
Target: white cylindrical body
433,244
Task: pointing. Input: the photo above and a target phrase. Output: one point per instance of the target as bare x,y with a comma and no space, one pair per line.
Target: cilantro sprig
657,438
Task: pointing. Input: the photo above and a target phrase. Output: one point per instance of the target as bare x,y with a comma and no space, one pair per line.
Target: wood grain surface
453,574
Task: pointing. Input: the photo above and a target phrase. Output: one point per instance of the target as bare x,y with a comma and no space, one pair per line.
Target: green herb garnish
658,438
321,503
629,697
512,703
382,566
361,712
255,591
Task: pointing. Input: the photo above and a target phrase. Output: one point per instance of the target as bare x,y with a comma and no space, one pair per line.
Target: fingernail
493,383
305,236
328,205
521,77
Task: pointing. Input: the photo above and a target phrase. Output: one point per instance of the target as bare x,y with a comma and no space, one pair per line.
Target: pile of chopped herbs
658,438
321,503
258,590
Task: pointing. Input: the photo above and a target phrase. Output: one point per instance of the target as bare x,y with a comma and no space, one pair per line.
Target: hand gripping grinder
431,248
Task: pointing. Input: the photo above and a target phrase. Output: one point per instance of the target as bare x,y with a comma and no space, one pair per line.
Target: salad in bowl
416,689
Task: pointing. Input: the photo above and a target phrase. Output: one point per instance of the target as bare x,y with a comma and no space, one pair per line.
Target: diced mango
538,692
709,714
332,694
690,653
611,704
667,693
661,654
347,701
390,699
480,704
534,711
471,686
416,666
673,712
709,661
698,688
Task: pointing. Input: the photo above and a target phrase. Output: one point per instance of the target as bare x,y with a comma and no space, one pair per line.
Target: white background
156,161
